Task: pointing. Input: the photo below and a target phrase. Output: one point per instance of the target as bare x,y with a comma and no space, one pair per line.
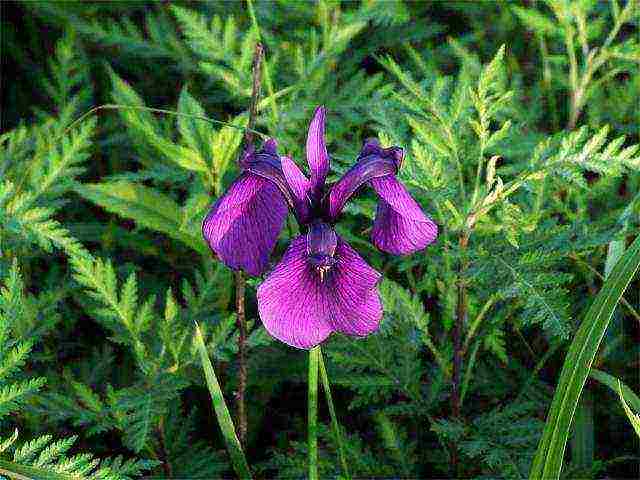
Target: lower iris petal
293,304
305,298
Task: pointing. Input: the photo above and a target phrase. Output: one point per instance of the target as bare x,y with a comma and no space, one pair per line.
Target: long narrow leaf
222,412
612,382
334,418
548,460
633,417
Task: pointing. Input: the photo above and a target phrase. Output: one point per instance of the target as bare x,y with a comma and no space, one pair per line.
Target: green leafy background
520,123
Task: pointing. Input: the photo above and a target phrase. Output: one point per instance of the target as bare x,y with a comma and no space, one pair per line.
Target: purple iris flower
321,285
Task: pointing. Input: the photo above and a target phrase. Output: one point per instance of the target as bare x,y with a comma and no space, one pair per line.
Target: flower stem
312,442
334,419
240,281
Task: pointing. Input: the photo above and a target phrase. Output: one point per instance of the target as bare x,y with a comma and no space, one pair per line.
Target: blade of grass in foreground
312,442
633,418
222,412
334,417
613,382
548,460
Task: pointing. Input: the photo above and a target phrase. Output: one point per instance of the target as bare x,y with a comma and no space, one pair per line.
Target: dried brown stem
458,353
242,357
239,277
166,465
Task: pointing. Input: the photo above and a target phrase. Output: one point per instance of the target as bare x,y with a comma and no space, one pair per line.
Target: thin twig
634,313
240,281
258,55
242,357
162,443
267,76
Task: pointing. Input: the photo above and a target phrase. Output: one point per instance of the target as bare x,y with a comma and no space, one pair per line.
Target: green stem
476,186
478,320
312,443
463,190
467,374
334,419
546,82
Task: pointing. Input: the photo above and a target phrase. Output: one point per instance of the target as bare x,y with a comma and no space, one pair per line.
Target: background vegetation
520,121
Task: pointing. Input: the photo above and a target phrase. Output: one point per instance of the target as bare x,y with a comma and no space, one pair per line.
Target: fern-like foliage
42,457
14,350
520,143
500,443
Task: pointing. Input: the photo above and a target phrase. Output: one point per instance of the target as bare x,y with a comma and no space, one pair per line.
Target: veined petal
356,306
293,304
243,226
366,169
300,187
400,227
266,164
301,308
317,155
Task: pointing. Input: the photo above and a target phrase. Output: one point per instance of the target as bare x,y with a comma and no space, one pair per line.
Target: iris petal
301,310
400,226
317,155
293,305
366,169
300,188
243,226
357,309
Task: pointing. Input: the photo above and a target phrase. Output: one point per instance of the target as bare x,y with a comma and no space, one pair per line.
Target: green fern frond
148,207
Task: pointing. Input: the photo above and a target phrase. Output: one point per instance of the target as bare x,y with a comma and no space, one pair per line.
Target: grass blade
312,442
633,418
583,438
334,418
222,412
612,382
548,460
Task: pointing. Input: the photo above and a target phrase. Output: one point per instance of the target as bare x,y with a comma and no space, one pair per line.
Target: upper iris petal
367,167
300,188
400,226
242,227
317,155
